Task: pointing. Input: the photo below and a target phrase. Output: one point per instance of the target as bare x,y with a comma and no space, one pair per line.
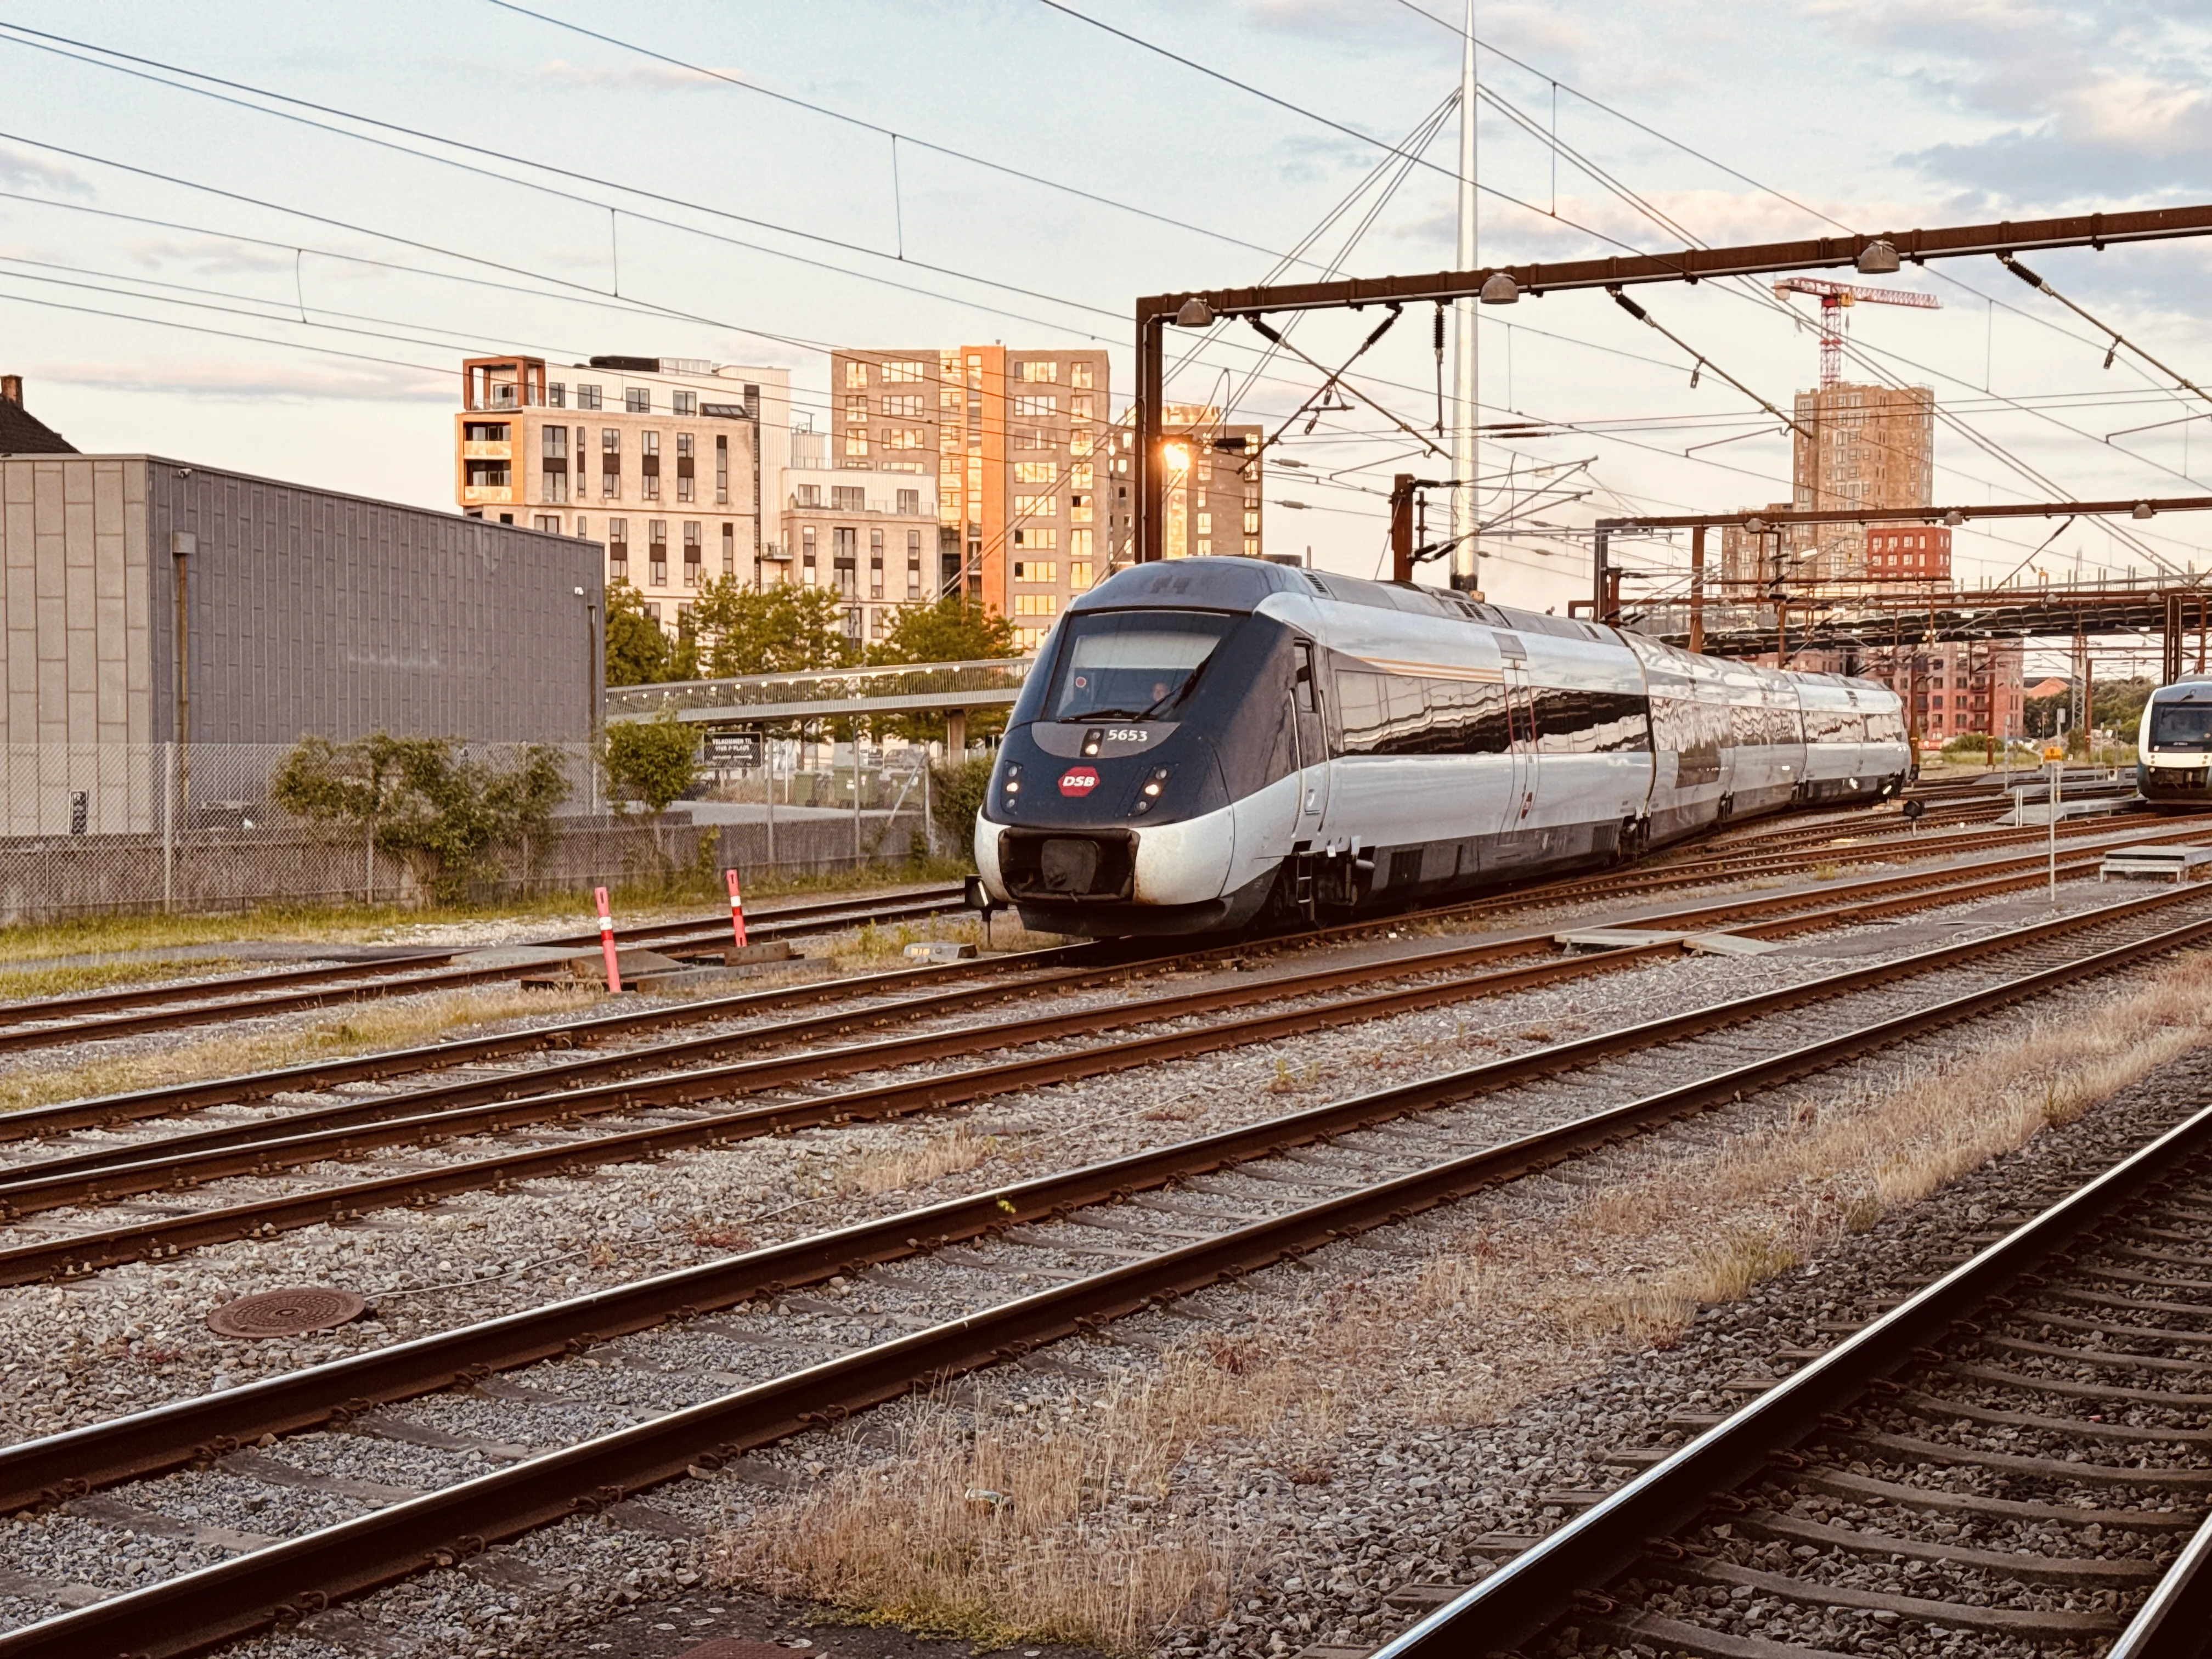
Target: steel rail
449,1111
1530,1593
2176,1622
111,1110
78,1254
441,1110
72,1029
280,1583
397,961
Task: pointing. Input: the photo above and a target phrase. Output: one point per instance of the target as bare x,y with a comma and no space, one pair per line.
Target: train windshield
1131,664
2181,725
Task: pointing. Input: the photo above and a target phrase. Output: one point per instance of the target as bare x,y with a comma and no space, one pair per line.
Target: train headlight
1150,792
1012,782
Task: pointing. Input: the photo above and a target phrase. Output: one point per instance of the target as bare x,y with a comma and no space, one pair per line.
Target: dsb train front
1208,740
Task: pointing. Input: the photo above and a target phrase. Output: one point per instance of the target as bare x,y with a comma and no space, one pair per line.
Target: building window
1036,507
808,496
1037,371
554,490
691,553
856,374
587,397
1036,604
907,407
486,475
638,400
684,403
1079,407
1078,443
844,558
1035,537
721,468
1205,524
902,371
914,564
683,467
1251,521
1036,405
1078,574
648,464
875,564
1078,476
856,407
484,432
1251,547
554,440
609,462
856,443
1078,373
549,522
1033,472
617,547
1078,508
656,550
729,549
1032,572
806,555
1205,548
901,437
1079,545
848,498
556,395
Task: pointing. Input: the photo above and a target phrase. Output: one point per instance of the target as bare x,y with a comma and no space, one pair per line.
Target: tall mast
1466,572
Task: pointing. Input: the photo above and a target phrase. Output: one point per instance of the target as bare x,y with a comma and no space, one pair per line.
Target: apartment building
871,533
670,463
1971,686
1012,439
1212,499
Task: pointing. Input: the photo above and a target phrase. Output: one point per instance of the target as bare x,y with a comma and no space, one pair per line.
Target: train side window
1309,699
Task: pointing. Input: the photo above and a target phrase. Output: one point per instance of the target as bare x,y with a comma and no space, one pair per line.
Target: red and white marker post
607,940
737,909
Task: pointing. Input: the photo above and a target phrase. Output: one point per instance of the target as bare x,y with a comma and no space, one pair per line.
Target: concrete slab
1615,939
1728,944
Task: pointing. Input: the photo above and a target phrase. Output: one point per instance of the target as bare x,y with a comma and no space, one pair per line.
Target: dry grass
873,947
22,984
900,1168
1020,1522
357,1031
1086,1550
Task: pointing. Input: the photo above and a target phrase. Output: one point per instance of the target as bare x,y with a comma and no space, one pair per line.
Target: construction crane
1836,301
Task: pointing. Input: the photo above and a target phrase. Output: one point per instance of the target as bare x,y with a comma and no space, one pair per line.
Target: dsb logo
1079,781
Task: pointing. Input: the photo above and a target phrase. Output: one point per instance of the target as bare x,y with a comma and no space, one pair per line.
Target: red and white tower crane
1836,301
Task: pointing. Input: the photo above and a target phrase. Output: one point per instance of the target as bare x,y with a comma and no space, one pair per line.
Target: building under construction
1856,448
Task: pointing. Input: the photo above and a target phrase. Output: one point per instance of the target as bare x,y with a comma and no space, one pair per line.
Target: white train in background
1208,742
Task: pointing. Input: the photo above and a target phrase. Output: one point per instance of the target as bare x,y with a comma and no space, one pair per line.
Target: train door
1312,741
1521,724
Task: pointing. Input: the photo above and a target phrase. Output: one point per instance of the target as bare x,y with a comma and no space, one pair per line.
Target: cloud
651,77
31,173
2103,102
225,380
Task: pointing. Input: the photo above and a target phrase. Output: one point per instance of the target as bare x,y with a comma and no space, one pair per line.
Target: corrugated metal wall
317,612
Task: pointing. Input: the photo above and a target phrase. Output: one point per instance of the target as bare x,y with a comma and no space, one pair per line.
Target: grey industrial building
306,612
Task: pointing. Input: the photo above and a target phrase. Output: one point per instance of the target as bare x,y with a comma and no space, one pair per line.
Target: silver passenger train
2175,746
1211,741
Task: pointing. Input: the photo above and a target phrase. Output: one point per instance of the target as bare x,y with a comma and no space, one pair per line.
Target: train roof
1238,584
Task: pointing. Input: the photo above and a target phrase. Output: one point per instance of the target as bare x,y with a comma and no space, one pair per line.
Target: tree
2119,705
782,628
638,652
423,801
654,762
954,629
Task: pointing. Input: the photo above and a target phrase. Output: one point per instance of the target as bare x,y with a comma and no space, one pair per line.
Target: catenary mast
1466,572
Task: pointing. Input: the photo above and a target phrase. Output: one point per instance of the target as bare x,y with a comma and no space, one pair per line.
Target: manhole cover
286,1313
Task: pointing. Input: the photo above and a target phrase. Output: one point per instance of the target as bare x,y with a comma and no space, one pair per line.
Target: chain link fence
88,828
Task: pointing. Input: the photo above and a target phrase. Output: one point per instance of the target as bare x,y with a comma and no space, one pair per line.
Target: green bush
423,801
652,762
956,792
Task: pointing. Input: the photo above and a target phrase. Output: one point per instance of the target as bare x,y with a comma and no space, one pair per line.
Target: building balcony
485,450
493,495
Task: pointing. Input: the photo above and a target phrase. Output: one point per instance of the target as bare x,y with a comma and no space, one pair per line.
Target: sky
193,265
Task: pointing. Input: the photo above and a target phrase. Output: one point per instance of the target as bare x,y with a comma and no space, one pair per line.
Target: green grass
353,924
23,984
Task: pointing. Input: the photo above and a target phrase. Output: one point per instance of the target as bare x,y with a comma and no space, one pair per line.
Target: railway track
1165,1222
568,1096
2049,1394
53,1021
